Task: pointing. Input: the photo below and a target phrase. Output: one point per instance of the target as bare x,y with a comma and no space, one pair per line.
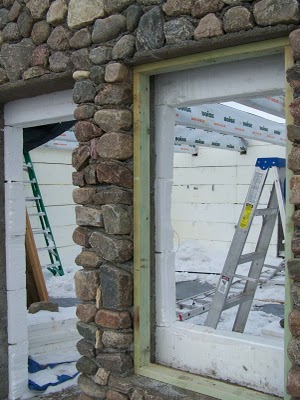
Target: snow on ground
61,286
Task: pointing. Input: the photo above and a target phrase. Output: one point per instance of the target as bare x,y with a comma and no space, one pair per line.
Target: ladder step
37,231
30,181
39,214
245,258
238,299
55,264
33,198
265,211
245,278
46,248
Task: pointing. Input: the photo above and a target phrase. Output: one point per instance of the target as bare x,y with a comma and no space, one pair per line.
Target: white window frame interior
19,114
255,362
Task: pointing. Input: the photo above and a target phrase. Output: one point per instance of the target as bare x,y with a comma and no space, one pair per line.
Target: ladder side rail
279,177
236,247
257,265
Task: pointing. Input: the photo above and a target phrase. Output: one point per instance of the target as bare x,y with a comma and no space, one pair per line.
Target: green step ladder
55,265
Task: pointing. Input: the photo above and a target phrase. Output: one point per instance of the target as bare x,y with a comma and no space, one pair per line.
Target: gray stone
80,157
238,19
203,7
84,111
122,385
116,6
82,13
294,160
178,30
59,39
4,18
86,312
40,56
15,11
101,377
117,72
57,12
25,23
8,3
124,48
16,58
150,2
274,12
38,8
59,62
97,74
294,39
293,350
133,16
91,388
86,284
114,95
86,366
84,91
88,259
113,195
114,172
81,236
88,331
117,363
3,76
113,120
108,28
117,340
86,348
209,26
293,133
84,195
234,2
40,32
80,59
43,306
81,39
295,292
100,55
175,8
137,394
11,32
34,72
87,216
118,146
111,248
117,220
150,32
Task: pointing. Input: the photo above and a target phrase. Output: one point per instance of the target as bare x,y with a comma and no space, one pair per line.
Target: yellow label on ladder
246,216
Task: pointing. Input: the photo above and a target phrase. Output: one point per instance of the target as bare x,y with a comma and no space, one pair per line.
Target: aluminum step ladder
276,204
55,265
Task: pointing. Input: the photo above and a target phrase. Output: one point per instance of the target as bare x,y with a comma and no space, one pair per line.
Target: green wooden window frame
142,218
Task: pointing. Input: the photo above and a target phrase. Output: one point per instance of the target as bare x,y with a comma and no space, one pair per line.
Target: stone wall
98,40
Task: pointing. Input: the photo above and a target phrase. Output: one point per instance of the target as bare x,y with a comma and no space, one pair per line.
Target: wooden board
36,286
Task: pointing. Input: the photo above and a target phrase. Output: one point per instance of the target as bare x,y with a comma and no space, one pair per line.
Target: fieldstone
82,13
85,111
117,287
137,394
57,12
34,72
120,384
9,3
293,133
295,189
108,28
294,159
294,322
113,120
118,146
150,32
84,396
16,58
86,366
296,243
117,363
209,26
80,157
91,388
59,38
203,7
293,382
88,259
113,195
43,306
40,56
113,395
97,74
100,55
117,219
114,95
115,173
234,2
238,19
81,75
296,218
38,8
294,267
81,39
40,32
83,195
4,18
116,6
178,30
3,76
111,248
175,8
25,23
150,2
274,12
295,44
124,48
15,11
11,32
117,340
295,109
81,236
133,16
116,72
86,348
113,319
101,377
78,179
90,173
86,312
293,350
59,62
89,216
80,59
83,92
85,130
86,284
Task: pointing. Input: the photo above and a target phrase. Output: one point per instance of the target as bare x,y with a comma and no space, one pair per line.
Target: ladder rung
46,248
245,278
55,264
30,181
39,214
238,299
37,231
277,267
250,257
265,211
33,198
